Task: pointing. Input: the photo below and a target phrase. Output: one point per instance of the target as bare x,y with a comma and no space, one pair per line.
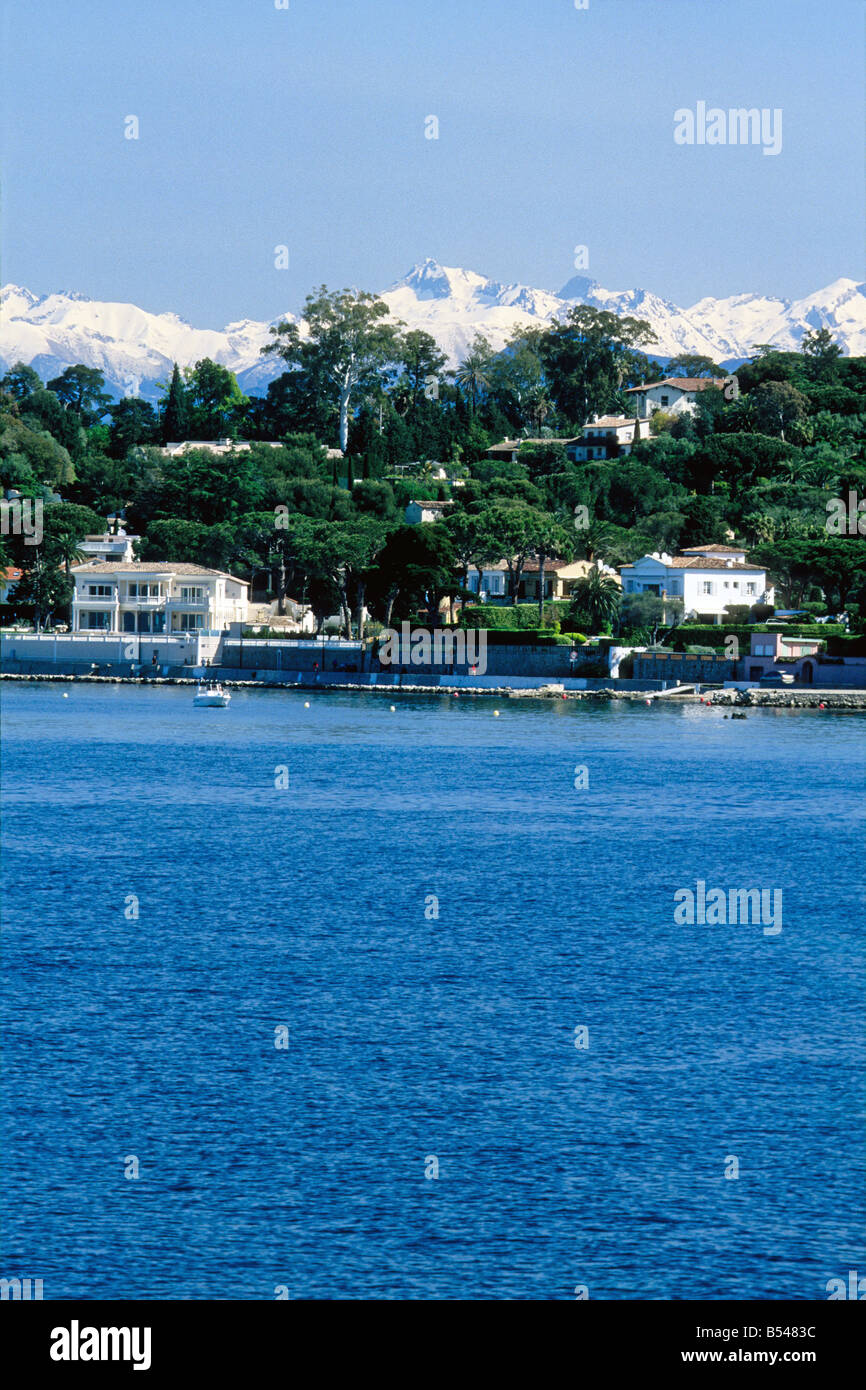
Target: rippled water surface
414,1037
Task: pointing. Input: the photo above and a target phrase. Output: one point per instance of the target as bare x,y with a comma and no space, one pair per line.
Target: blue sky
305,127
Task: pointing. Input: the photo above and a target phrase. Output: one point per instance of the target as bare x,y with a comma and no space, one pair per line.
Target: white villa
602,437
707,578
607,437
156,597
675,394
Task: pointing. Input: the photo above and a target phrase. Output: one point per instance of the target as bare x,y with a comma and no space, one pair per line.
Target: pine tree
175,415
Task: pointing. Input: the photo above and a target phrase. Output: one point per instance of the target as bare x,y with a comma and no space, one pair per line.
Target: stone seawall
790,699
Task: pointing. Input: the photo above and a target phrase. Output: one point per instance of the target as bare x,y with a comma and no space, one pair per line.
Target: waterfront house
156,597
706,584
799,655
559,579
674,394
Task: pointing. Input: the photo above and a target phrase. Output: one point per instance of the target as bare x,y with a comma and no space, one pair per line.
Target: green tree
549,540
215,402
347,347
474,373
133,422
66,547
516,531
80,389
105,485
175,410
43,585
422,364
642,615
595,600
589,356
693,364
31,455
777,406
20,381
823,354
42,410
416,568
704,522
518,380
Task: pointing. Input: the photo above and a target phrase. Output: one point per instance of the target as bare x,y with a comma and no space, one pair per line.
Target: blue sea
424,907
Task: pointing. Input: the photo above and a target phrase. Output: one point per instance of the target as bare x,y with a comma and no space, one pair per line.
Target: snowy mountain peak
15,301
579,287
430,280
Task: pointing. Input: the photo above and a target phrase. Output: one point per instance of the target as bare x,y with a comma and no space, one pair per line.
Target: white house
109,546
607,437
426,510
675,394
707,585
221,447
508,450
491,583
156,597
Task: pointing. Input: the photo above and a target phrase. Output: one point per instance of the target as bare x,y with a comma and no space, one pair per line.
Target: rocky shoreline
749,699
789,699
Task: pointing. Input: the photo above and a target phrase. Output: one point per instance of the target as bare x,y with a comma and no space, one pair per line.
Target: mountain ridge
135,348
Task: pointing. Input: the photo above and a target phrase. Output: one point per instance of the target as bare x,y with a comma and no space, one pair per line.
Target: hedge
526,637
517,615
712,636
514,636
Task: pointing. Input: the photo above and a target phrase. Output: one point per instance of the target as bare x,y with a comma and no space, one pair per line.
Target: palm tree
473,373
593,539
596,598
66,548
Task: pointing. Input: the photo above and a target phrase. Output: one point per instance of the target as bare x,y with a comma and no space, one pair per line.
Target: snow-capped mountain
135,349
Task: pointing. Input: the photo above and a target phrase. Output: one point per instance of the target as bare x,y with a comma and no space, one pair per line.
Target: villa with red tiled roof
674,394
706,584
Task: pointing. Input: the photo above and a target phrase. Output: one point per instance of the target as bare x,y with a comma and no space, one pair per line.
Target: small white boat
211,693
